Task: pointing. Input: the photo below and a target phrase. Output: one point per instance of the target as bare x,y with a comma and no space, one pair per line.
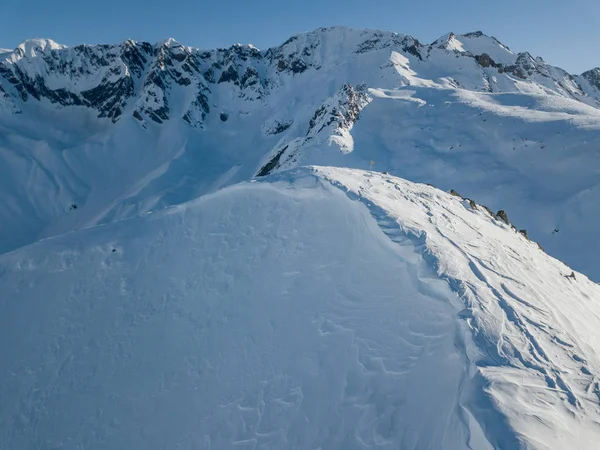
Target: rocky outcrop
329,125
485,60
526,66
593,77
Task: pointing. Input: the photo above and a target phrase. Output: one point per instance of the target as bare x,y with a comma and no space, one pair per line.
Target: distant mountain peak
31,47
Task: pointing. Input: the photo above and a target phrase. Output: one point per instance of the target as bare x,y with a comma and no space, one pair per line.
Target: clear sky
564,33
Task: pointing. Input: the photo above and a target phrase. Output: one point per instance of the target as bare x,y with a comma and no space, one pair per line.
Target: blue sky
563,33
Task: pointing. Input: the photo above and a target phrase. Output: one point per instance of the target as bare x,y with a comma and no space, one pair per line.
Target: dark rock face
229,75
413,49
136,56
298,66
484,60
272,164
474,34
525,66
503,216
379,41
278,127
345,114
593,77
110,98
368,45
250,77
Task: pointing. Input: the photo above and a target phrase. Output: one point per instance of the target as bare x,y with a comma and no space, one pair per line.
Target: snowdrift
315,308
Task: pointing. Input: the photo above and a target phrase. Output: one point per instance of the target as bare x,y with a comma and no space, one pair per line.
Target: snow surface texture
320,308
119,130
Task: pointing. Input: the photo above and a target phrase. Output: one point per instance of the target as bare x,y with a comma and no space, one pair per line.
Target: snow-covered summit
36,47
165,243
119,130
476,44
425,322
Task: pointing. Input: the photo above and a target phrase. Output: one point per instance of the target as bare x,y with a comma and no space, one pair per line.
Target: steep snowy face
425,322
94,134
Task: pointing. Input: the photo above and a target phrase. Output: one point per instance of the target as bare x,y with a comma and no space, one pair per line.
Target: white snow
32,47
314,308
514,144
325,308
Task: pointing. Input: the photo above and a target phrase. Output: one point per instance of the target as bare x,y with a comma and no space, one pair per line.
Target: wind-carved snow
424,323
535,329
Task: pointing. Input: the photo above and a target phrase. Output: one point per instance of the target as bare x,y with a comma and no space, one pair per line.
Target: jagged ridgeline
136,78
126,129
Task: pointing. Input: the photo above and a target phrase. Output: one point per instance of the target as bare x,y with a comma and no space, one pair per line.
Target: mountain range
244,248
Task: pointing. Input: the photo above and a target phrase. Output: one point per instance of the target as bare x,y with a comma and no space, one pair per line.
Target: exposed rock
484,60
368,45
526,66
593,77
503,216
250,77
413,49
474,34
276,127
272,164
229,75
344,110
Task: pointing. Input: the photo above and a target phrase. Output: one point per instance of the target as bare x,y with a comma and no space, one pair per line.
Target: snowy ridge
534,327
120,130
135,78
425,323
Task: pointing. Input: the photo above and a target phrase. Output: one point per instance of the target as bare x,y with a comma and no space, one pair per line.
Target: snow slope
317,308
121,130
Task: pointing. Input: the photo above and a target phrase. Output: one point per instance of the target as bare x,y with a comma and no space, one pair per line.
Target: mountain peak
31,47
476,43
169,42
593,77
474,34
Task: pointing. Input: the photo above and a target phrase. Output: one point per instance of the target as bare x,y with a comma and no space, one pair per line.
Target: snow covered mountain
192,257
317,308
118,130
